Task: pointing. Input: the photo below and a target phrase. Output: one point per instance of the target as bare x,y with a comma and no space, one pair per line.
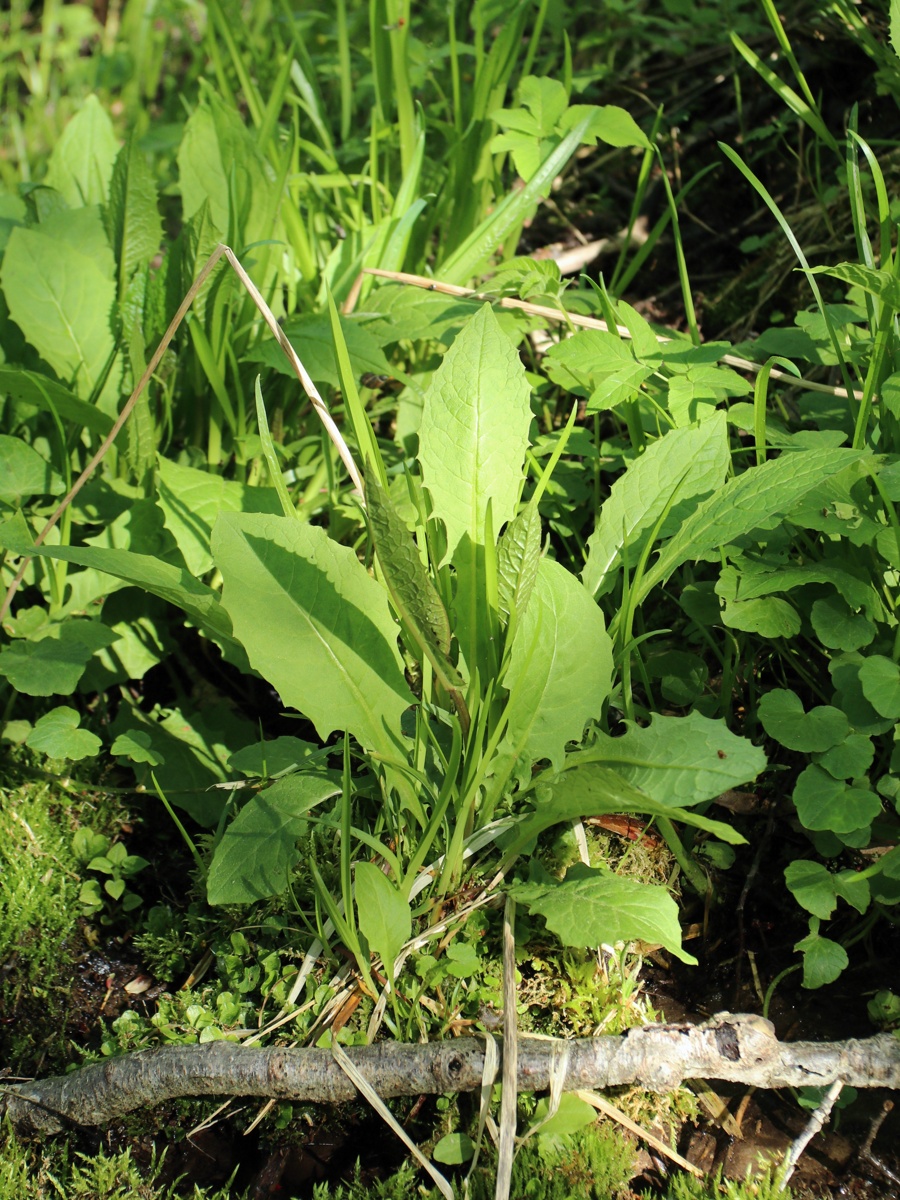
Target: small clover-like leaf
782,716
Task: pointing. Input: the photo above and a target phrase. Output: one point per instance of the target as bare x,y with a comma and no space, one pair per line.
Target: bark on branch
738,1048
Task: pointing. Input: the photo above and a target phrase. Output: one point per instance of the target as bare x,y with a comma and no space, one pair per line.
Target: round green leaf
838,627
880,680
453,1149
824,802
782,716
850,759
812,887
57,735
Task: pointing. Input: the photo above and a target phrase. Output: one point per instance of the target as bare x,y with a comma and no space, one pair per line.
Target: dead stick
560,314
736,1048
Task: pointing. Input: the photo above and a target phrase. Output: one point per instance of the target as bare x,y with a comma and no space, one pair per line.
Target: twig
814,1125
735,1048
560,314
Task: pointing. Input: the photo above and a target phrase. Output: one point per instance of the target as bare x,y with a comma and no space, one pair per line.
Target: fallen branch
737,1048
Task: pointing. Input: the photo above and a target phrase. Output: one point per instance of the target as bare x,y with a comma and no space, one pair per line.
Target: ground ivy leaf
678,468
57,735
137,745
880,681
827,803
782,716
288,585
838,627
255,857
812,886
850,759
678,760
593,906
845,675
383,913
823,960
53,665
560,669
474,431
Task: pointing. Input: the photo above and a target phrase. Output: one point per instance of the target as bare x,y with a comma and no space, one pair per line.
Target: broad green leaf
82,160
61,297
677,760
474,431
23,472
310,335
132,217
759,497
560,669
782,716
880,680
593,906
141,623
594,789
598,365
817,890
314,624
194,750
53,665
43,393
609,124
170,583
877,281
57,735
823,959
680,467
824,802
192,499
258,851
770,617
518,556
272,758
383,913
415,596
